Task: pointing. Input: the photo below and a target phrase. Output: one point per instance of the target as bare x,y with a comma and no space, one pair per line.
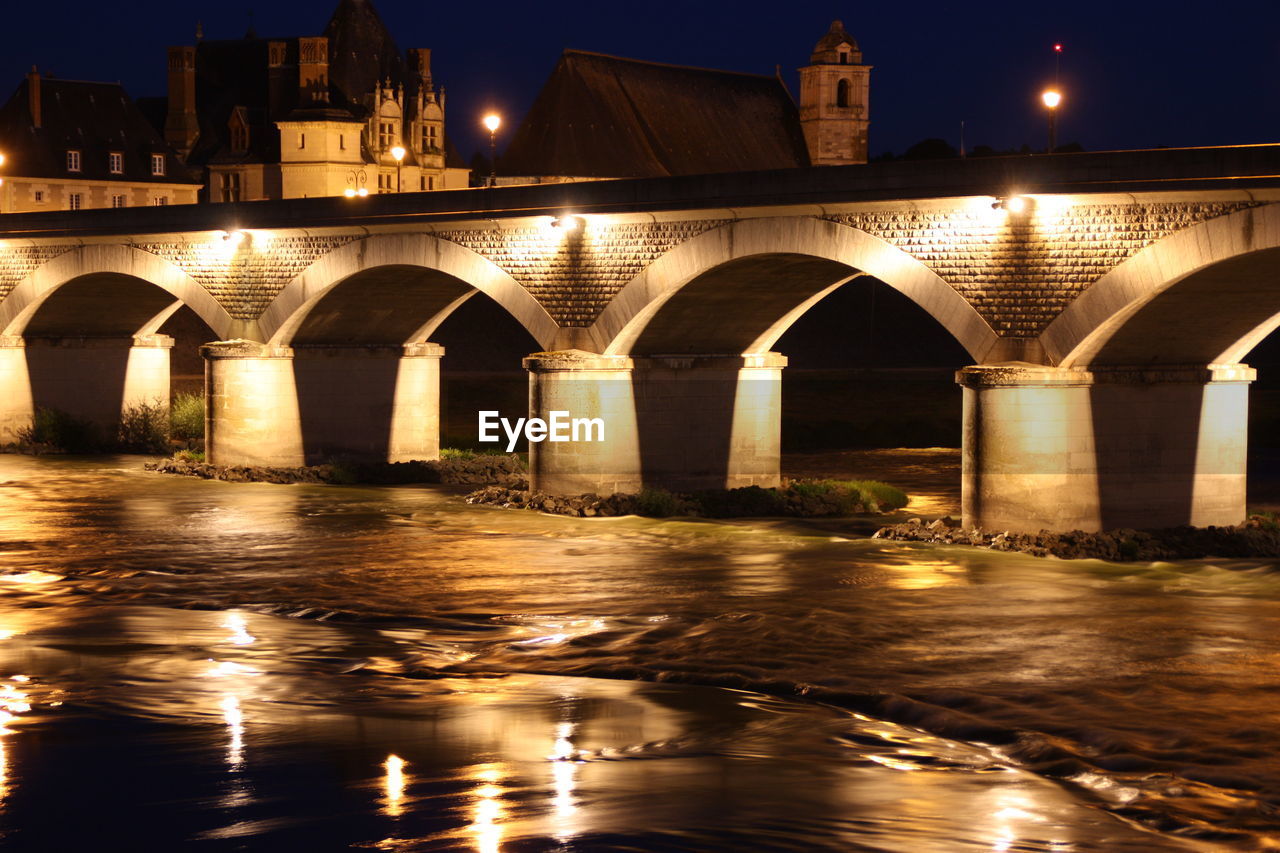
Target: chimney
181,127
33,97
278,79
420,66
313,70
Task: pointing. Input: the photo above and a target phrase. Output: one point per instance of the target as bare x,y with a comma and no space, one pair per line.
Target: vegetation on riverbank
143,428
1257,536
796,499
460,468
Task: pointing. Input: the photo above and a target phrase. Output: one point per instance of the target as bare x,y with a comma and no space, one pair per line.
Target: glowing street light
493,121
1051,99
398,153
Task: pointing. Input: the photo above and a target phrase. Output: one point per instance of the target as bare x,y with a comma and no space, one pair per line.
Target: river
201,665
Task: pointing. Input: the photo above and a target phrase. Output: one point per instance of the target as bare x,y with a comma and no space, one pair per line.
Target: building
604,116
72,144
311,116
835,96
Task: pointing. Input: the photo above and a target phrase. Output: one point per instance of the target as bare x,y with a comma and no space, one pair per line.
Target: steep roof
231,74
95,119
605,116
362,54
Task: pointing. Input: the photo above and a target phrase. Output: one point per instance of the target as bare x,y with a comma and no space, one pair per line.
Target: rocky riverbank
795,499
1259,536
480,469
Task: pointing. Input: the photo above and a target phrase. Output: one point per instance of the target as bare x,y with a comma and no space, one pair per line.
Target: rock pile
1258,536
579,506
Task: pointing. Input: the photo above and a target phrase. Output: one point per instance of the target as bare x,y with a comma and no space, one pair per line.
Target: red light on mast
1057,48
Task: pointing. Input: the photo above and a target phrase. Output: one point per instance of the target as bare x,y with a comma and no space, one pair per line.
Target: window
73,161
302,141
115,160
844,58
342,142
39,196
239,138
842,94
157,164
384,182
431,182
231,186
75,201
119,201
386,134
160,201
422,182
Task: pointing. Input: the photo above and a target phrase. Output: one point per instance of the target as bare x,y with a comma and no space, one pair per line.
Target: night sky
1134,74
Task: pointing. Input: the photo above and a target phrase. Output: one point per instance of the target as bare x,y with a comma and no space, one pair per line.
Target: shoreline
1256,536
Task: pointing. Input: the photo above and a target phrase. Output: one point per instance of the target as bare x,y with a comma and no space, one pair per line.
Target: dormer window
73,162
239,128
844,57
386,134
157,165
115,162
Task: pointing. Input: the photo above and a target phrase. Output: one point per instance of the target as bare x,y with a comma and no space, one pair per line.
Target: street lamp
1052,98
493,121
356,184
398,153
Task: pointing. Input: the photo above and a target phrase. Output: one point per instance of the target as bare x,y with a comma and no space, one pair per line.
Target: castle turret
834,98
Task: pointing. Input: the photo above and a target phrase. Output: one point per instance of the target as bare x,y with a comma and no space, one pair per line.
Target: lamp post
1052,98
355,184
398,153
493,121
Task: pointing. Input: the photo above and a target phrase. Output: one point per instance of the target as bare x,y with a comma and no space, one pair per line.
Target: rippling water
240,666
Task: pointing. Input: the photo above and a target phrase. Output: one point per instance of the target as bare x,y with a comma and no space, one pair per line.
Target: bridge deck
1238,168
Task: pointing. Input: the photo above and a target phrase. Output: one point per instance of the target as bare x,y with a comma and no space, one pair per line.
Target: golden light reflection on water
234,718
564,778
487,811
394,783
239,629
926,574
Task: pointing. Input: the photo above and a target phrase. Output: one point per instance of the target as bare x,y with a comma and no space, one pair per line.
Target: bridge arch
755,277
1205,295
118,267
398,286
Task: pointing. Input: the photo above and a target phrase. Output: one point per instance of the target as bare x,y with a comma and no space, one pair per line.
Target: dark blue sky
1134,74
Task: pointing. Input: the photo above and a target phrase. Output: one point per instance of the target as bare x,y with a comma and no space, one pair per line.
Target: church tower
834,95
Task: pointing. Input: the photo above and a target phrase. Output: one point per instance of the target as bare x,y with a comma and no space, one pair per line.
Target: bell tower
834,96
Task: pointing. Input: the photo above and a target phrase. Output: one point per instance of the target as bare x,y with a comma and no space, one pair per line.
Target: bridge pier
1104,448
291,406
251,405
91,379
683,423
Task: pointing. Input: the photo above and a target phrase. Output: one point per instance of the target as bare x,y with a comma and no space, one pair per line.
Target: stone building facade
73,145
311,116
835,93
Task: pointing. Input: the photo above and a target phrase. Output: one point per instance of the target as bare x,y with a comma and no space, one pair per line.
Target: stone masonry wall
575,276
1020,272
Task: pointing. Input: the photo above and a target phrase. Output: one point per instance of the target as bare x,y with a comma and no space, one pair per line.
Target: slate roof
92,118
232,74
362,54
606,116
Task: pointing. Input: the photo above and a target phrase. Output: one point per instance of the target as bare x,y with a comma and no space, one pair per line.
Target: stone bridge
1106,301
